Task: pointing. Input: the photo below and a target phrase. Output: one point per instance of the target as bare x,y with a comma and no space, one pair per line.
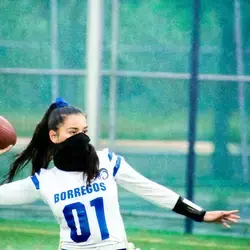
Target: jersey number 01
78,209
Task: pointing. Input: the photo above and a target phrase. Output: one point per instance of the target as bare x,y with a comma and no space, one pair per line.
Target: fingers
231,220
222,217
230,212
226,225
232,216
8,148
2,151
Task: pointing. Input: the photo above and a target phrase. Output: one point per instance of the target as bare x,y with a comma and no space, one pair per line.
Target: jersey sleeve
20,192
134,182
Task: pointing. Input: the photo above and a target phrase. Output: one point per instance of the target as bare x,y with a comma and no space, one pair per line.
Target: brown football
7,133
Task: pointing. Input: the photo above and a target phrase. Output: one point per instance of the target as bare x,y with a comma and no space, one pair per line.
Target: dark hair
40,149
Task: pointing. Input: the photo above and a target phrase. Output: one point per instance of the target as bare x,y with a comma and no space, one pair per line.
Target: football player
81,188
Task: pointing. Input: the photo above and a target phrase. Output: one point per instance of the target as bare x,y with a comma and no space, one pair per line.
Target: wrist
189,209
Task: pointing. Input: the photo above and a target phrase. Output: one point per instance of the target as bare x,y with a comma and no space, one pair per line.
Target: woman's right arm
19,192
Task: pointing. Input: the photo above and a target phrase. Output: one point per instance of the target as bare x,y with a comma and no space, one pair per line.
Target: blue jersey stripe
117,165
35,181
110,155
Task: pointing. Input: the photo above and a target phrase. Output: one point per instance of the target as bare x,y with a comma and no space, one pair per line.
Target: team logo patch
103,174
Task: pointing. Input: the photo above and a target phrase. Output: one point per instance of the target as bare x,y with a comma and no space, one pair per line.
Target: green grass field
19,235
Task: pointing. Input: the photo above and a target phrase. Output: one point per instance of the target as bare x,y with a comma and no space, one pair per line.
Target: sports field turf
19,235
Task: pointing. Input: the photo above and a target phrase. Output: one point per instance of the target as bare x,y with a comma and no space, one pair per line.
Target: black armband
189,209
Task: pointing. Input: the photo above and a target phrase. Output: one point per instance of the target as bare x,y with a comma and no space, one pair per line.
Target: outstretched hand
2,151
222,217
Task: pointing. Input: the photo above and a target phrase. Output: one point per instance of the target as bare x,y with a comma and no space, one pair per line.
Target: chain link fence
144,90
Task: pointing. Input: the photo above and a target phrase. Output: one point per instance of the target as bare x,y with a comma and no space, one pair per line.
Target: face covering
71,154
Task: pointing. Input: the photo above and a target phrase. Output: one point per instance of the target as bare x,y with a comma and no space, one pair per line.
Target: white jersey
88,215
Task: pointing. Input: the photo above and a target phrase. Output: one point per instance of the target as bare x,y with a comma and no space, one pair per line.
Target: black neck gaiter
71,154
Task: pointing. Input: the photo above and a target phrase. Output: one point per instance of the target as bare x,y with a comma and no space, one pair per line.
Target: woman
81,189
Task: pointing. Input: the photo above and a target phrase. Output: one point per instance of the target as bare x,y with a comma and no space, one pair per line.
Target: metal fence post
113,77
241,93
94,55
193,96
54,49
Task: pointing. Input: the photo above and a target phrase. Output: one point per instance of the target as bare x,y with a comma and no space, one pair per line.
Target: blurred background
139,89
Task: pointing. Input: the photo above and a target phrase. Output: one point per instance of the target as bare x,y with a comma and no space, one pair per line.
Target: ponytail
92,163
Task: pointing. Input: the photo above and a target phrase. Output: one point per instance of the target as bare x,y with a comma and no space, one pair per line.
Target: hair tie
60,103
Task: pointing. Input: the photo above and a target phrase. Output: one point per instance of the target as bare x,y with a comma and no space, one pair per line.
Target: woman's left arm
162,196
